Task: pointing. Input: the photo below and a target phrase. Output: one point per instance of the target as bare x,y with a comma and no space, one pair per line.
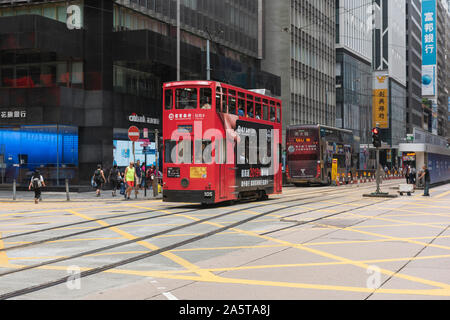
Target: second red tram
221,143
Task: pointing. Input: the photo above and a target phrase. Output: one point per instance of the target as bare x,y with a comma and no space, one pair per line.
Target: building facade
75,75
354,67
300,47
414,110
389,64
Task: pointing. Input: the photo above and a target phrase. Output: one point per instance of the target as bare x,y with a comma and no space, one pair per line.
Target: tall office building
414,112
354,23
300,47
389,77
76,74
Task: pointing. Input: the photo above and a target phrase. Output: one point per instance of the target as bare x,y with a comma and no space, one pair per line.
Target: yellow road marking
392,238
4,261
442,195
147,245
217,279
329,255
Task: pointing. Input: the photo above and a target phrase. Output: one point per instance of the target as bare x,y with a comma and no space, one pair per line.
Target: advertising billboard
380,104
429,44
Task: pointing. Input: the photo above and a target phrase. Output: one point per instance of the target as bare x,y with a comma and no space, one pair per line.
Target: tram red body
213,117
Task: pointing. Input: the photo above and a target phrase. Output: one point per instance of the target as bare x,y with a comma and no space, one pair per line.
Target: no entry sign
133,133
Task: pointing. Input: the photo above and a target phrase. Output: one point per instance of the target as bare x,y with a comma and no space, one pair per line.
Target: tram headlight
185,182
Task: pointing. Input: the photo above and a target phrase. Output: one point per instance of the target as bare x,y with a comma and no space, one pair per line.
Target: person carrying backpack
99,179
114,179
37,183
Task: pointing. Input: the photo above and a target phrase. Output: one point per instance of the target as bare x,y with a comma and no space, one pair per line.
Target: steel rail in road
329,191
158,251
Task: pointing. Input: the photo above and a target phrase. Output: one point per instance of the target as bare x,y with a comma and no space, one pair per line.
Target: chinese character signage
429,47
13,114
380,98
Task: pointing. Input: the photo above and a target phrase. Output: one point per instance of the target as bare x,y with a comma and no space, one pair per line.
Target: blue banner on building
429,44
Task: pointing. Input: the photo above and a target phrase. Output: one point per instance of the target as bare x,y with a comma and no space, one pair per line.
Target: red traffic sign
133,133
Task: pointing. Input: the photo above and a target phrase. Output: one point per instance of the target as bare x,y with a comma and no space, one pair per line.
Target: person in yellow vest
130,179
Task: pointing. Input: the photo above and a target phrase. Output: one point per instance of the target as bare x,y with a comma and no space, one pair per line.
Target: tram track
56,238
160,250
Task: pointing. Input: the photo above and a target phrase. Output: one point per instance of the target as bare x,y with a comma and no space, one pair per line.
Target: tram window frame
177,98
241,104
265,112
250,106
258,106
168,107
232,102
198,157
204,98
224,107
168,154
181,159
257,99
272,112
219,97
278,115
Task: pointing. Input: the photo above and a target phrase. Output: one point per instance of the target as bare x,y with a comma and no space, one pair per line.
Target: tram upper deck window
168,99
272,114
278,115
241,108
232,102
250,107
224,101
258,111
205,98
265,112
186,98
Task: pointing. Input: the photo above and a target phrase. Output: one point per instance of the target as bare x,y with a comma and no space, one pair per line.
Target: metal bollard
14,190
67,190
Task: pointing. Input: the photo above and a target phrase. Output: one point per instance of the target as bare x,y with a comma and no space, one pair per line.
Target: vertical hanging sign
429,43
380,105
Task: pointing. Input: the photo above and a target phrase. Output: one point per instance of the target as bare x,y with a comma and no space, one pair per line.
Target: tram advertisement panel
254,161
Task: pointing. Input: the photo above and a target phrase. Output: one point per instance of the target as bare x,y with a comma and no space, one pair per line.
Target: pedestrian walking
407,173
122,184
130,179
152,178
37,183
99,179
144,176
114,179
426,176
137,185
412,175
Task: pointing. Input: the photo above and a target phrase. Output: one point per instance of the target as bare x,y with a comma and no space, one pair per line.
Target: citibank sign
142,119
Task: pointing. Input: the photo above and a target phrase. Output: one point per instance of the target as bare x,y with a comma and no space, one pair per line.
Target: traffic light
376,140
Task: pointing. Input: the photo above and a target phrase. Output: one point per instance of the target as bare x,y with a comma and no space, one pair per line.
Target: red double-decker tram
221,143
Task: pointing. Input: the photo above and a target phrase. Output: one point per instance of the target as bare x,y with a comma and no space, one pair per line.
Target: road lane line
169,296
169,255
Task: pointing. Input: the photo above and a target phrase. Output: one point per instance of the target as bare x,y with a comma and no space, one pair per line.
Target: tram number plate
173,172
208,194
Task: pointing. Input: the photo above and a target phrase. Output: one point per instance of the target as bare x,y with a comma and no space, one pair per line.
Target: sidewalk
27,196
